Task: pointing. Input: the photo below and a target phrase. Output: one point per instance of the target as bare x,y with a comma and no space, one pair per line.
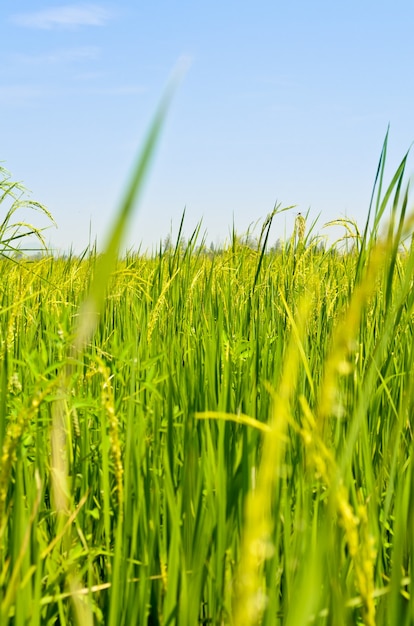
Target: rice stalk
108,403
250,596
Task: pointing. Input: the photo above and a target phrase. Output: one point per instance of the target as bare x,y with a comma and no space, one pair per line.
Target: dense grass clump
232,446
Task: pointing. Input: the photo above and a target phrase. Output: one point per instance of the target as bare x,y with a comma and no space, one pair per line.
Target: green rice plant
210,438
257,546
14,200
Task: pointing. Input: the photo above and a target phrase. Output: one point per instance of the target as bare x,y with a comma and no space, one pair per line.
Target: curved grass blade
90,309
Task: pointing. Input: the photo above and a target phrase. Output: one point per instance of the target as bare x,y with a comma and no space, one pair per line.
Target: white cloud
23,95
85,53
67,16
16,95
119,90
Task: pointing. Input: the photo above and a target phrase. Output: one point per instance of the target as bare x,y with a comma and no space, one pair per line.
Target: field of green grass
211,438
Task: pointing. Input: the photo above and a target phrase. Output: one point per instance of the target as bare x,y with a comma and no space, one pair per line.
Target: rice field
200,437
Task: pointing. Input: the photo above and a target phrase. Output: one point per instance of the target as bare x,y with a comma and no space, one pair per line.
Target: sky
282,102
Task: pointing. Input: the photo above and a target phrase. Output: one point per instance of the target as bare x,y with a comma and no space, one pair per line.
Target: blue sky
283,101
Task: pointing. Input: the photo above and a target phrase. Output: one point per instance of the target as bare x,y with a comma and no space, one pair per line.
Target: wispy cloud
119,90
24,95
83,53
20,95
67,16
